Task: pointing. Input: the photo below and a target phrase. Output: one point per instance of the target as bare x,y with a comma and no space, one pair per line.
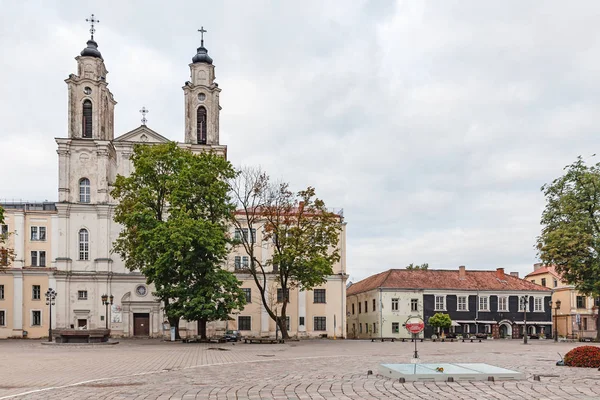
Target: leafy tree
440,321
175,210
422,267
570,236
302,236
7,255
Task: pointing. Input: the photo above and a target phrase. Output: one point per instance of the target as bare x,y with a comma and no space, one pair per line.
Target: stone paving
318,369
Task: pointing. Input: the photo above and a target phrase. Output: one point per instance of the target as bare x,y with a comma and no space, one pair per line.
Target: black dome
91,50
201,57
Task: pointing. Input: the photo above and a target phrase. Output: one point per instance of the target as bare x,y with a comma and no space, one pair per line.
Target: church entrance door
141,324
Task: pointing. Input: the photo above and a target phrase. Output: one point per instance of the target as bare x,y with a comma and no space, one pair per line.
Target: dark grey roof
91,50
28,206
202,56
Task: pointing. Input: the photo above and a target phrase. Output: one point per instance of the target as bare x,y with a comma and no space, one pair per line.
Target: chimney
537,266
500,273
462,274
515,274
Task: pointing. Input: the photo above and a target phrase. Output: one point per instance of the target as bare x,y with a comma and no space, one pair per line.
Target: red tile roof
443,279
544,270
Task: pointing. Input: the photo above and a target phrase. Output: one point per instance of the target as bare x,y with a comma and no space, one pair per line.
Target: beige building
23,309
312,313
576,317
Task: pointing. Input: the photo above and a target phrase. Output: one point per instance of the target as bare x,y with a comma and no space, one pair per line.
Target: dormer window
87,120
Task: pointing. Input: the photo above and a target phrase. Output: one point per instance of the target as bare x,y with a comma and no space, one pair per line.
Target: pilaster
17,303
19,239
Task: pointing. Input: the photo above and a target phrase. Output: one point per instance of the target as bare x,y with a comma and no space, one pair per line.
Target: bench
81,335
383,339
263,340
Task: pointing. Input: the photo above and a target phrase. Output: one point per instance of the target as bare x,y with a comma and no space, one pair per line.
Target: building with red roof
478,302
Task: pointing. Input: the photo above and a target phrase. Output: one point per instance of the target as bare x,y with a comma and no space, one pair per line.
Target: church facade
83,266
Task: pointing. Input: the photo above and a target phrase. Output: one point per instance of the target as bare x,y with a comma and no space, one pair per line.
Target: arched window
84,244
84,190
87,119
201,125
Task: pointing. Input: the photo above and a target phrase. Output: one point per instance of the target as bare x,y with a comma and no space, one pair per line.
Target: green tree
7,254
422,267
570,236
175,212
440,321
302,236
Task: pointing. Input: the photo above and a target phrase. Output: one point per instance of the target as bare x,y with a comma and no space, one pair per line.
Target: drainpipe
477,313
380,315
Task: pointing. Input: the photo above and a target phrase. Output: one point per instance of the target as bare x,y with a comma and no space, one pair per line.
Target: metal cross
144,111
202,31
92,20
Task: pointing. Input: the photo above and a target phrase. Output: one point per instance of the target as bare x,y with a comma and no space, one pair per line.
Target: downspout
380,315
477,313
342,306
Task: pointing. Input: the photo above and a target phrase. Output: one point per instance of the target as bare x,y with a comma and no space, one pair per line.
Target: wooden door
141,324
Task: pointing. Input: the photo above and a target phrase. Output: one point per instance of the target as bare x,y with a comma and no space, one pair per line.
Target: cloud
433,124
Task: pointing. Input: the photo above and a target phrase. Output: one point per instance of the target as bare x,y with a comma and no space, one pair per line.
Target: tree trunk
202,329
282,327
598,325
174,322
282,317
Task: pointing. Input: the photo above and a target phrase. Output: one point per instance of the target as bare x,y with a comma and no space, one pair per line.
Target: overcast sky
433,124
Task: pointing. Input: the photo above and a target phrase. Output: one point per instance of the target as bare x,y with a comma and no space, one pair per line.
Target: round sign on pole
414,325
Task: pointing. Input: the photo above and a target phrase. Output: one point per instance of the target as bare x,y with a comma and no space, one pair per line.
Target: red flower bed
584,356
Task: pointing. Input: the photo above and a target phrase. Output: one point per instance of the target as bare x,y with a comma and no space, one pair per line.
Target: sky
433,124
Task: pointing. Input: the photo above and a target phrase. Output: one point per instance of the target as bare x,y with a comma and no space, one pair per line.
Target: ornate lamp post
50,301
556,308
525,302
106,300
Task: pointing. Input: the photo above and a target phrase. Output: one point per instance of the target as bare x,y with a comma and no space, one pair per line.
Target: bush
583,356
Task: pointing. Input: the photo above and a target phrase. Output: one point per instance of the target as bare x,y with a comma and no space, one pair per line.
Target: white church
90,157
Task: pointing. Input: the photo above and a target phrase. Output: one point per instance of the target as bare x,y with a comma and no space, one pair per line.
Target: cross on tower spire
202,31
144,111
92,20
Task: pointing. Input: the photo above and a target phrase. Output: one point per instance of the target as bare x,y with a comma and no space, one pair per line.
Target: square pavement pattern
316,369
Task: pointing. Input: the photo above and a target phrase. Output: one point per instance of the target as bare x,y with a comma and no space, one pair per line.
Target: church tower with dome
90,158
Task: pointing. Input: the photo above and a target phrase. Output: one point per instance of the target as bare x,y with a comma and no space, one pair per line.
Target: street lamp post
525,302
106,300
50,301
556,308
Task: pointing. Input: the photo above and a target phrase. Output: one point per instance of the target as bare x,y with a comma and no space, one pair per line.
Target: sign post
415,325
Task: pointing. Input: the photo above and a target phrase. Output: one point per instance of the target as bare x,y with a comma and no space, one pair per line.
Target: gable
142,134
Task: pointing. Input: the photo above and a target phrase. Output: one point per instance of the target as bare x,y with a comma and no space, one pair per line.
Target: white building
90,157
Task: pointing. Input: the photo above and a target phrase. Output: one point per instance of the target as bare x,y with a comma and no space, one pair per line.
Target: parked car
232,336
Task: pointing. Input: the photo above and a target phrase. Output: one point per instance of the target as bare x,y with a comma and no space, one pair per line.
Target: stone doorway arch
505,329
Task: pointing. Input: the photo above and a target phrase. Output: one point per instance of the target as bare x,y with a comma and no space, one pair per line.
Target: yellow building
310,313
23,309
575,317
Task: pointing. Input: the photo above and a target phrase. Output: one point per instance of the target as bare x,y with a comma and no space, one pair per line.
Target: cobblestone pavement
319,369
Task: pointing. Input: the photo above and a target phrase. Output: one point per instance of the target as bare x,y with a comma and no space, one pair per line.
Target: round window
201,97
141,290
87,90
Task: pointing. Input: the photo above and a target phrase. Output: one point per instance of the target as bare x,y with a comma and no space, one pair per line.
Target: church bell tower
91,104
202,100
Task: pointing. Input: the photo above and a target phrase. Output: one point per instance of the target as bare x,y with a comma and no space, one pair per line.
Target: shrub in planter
583,356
